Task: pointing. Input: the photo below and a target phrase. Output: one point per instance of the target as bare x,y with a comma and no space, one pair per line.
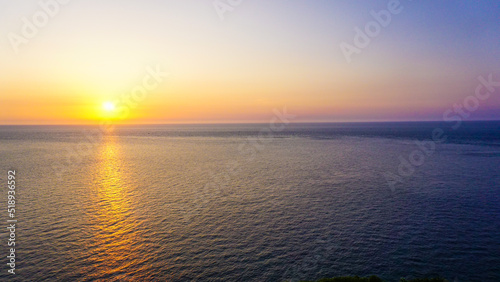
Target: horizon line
250,123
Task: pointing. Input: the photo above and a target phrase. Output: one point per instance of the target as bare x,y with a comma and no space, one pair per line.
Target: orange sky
234,70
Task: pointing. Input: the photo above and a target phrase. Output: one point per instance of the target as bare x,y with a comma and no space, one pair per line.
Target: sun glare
108,106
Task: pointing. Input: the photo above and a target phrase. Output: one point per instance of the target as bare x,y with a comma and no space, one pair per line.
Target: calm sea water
220,203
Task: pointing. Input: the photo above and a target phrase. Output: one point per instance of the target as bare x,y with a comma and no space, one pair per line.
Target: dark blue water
245,203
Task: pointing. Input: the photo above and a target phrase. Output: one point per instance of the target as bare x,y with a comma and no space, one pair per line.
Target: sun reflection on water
115,231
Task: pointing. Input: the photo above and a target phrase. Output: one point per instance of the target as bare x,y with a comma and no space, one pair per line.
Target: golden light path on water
115,247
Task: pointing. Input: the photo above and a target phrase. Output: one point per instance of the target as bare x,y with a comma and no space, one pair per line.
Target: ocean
253,203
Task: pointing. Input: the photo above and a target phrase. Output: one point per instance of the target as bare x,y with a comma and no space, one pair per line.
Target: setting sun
108,106
238,140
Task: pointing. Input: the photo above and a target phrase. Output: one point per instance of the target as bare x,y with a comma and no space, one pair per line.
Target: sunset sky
260,56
